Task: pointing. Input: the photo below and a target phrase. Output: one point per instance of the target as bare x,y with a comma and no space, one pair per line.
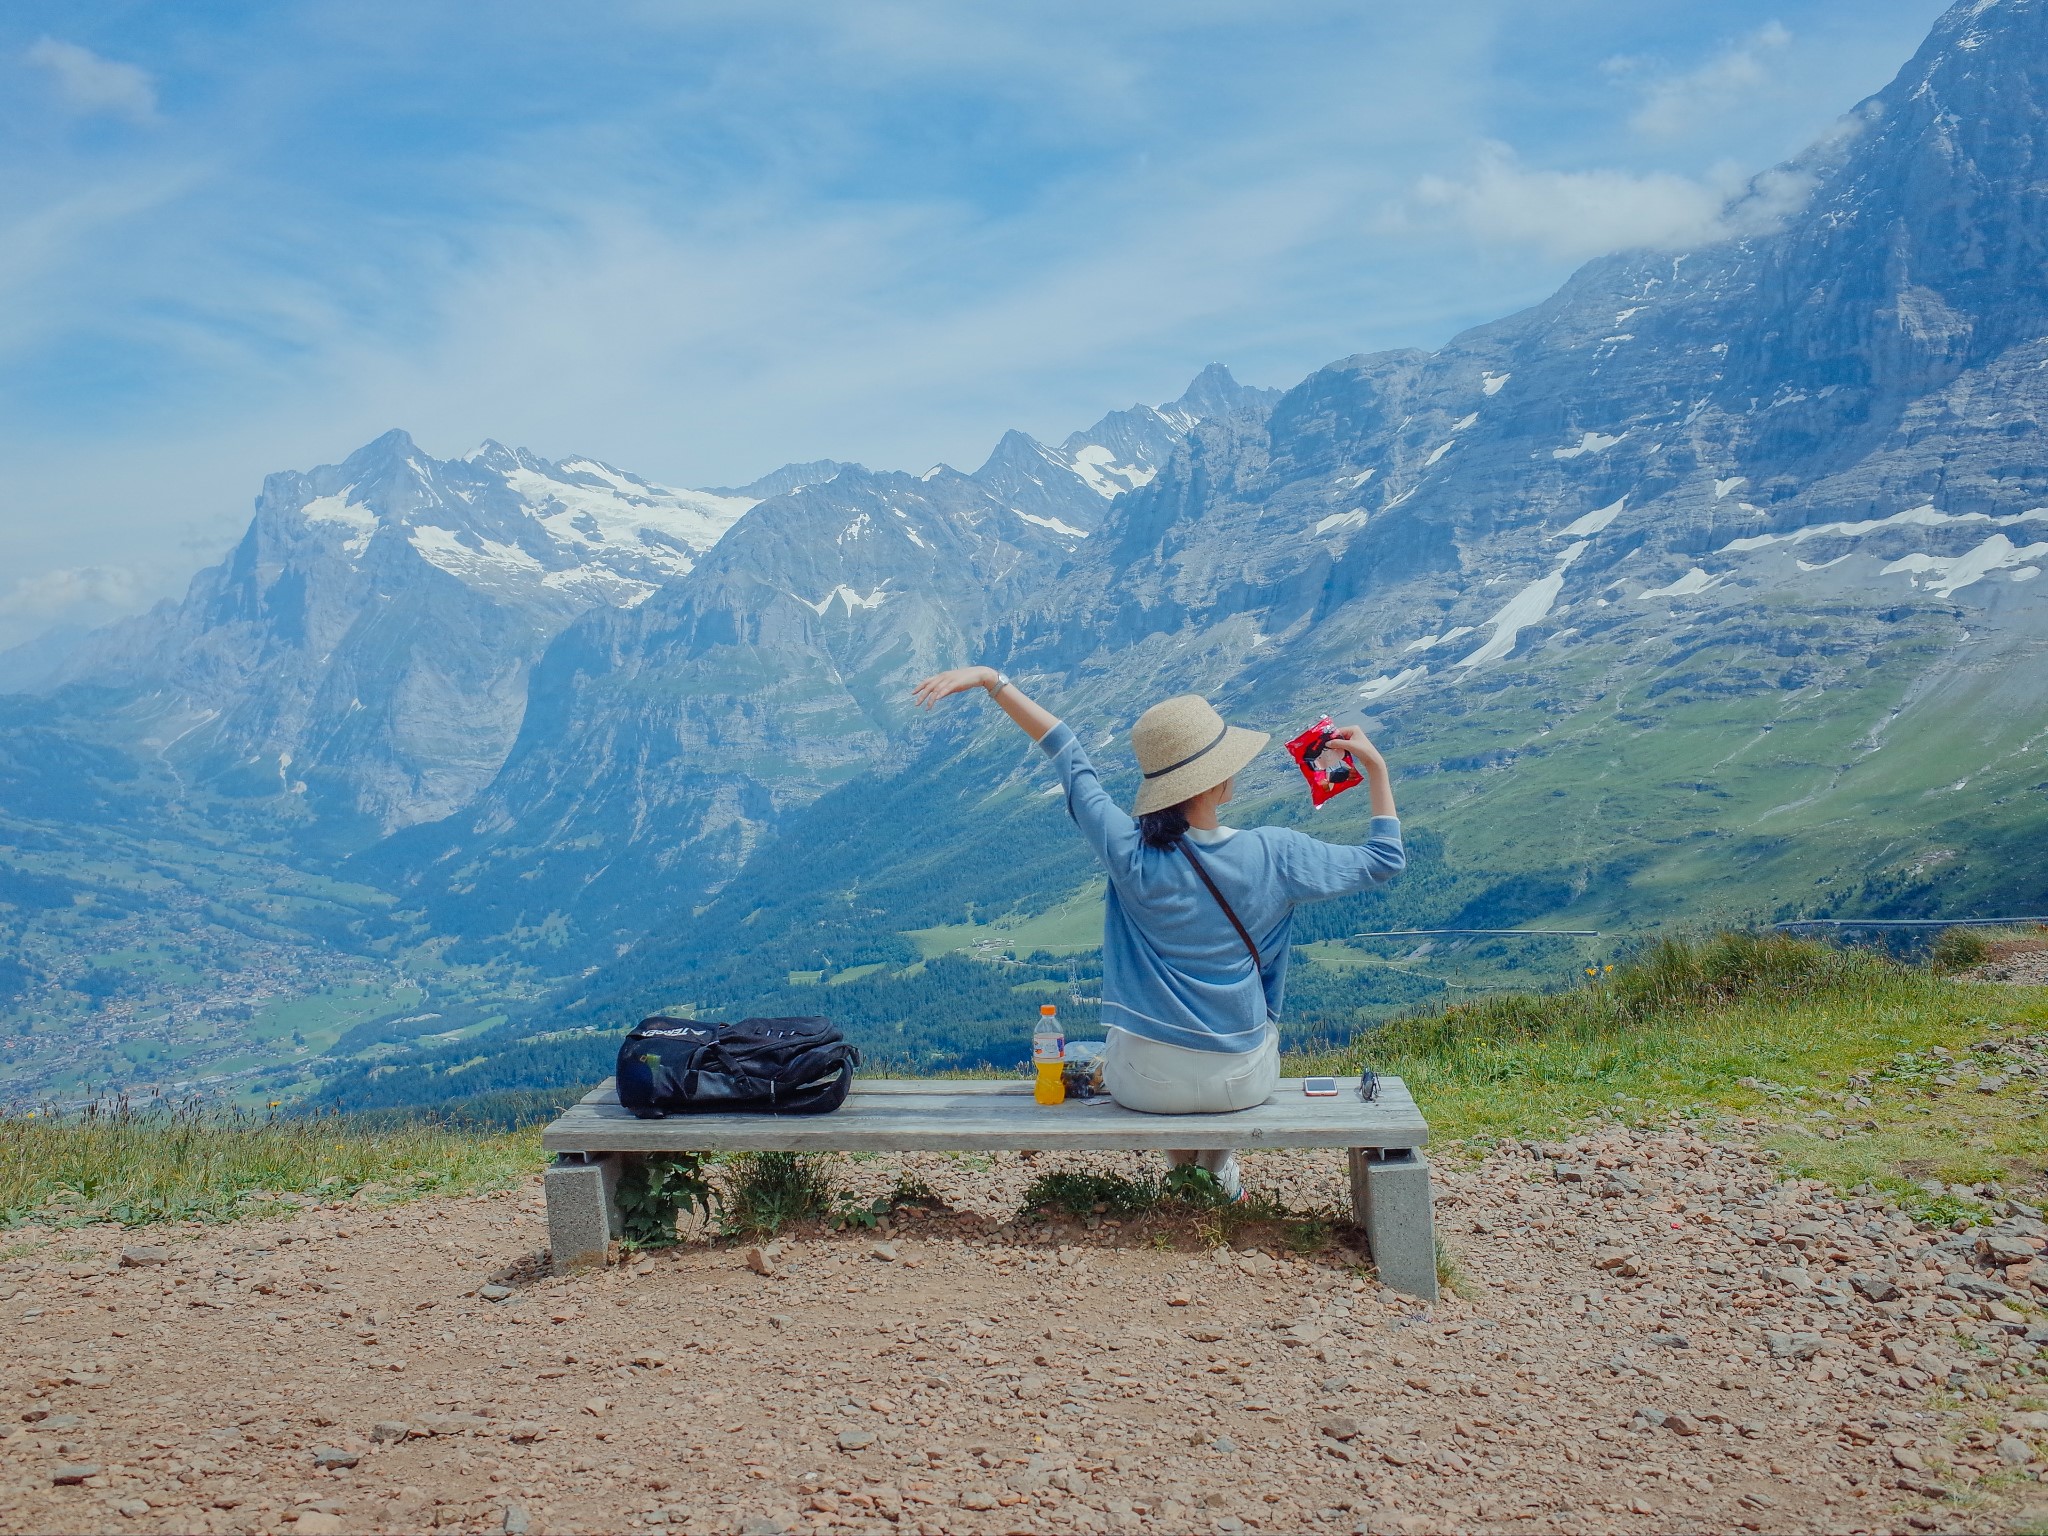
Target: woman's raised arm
1030,718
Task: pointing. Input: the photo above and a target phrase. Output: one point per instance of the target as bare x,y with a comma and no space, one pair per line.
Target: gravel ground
1662,1336
2017,965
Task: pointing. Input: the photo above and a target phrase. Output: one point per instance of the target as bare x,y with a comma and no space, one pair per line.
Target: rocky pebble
1662,1334
2016,962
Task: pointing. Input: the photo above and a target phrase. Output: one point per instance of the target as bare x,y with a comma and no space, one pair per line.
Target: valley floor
1663,1335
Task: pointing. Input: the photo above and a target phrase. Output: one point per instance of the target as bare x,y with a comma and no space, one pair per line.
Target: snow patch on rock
444,548
1925,516
1589,442
1380,687
1942,576
622,513
850,599
1526,607
1593,522
338,509
1047,522
1101,473
1443,639
1691,583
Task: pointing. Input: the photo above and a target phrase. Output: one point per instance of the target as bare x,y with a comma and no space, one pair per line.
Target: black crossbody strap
1228,911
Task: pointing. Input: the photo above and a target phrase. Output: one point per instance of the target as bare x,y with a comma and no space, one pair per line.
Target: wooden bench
1390,1194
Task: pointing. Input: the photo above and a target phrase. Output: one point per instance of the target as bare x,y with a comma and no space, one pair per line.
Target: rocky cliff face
662,744
365,647
362,659
661,741
1069,487
1856,378
1856,391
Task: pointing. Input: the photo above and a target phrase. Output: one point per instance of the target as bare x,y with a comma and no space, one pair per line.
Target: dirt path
1664,1338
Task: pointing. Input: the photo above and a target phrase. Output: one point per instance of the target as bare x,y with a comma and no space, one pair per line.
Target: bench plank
917,1115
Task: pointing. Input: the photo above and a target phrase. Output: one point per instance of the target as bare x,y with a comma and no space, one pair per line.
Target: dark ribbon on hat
1174,767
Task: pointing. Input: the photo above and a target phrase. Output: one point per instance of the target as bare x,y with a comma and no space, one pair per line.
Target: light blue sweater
1173,969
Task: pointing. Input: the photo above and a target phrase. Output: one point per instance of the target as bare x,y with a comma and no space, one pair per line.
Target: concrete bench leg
1390,1197
583,1209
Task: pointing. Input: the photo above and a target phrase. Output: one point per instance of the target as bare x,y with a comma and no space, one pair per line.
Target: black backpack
769,1066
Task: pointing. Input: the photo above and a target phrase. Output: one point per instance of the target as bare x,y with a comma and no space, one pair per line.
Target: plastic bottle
1049,1051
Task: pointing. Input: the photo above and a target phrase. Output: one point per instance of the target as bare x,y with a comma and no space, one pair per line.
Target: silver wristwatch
1002,681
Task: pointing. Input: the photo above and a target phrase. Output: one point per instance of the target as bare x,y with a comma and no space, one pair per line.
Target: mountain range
1706,589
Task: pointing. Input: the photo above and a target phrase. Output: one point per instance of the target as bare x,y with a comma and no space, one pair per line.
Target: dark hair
1162,829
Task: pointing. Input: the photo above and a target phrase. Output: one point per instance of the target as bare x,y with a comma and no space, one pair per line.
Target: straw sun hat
1184,747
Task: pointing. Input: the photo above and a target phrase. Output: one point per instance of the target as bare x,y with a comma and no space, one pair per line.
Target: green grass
654,1191
1078,1194
194,1164
763,1192
1957,949
1765,1027
1072,926
321,1018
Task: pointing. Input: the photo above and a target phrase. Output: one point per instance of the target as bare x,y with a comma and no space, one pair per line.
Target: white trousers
1159,1079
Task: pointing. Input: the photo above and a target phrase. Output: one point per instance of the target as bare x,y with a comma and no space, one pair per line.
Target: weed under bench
1390,1194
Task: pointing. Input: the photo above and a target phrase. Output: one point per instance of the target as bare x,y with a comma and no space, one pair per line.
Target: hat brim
1226,759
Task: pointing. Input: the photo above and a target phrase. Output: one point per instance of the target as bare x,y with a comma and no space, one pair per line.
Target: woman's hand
942,685
1030,718
1378,782
1353,739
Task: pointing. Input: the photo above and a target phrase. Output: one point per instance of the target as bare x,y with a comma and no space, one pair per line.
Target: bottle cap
1048,1009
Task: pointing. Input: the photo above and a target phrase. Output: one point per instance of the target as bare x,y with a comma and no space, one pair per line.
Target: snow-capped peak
505,518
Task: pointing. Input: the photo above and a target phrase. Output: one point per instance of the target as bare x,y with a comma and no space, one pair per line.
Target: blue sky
698,240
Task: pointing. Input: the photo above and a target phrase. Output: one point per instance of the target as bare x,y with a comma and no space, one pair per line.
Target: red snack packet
1329,770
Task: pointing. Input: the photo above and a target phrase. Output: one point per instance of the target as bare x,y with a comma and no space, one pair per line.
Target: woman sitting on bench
1198,917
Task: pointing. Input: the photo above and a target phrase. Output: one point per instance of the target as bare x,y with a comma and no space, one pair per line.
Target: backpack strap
1258,965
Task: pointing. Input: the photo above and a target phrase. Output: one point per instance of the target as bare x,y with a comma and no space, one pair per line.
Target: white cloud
554,334
1576,214
64,593
89,84
1675,106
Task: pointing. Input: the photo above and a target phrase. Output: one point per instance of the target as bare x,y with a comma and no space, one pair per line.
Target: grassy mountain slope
1799,762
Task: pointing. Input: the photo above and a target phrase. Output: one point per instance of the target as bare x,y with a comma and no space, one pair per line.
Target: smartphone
1319,1087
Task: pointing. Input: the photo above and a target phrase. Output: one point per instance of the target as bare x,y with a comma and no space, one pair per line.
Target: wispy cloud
884,232
1676,105
1575,214
55,594
88,84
